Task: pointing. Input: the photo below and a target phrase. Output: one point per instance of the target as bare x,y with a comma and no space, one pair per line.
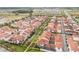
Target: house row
72,42
23,30
6,32
71,26
49,39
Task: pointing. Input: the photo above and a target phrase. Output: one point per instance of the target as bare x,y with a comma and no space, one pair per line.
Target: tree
30,11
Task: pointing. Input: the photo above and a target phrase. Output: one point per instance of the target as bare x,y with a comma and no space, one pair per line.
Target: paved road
63,37
3,50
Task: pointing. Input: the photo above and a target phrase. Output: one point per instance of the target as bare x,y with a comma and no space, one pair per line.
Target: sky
39,3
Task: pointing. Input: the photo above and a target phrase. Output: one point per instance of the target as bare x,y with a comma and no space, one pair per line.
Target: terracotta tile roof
69,40
42,41
17,37
58,44
58,38
47,33
73,45
49,46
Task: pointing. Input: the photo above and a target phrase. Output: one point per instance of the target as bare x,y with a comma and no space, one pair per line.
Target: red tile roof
17,37
73,45
49,46
58,38
47,33
58,44
42,41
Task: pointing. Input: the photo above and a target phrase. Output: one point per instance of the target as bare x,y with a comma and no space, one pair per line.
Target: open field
12,16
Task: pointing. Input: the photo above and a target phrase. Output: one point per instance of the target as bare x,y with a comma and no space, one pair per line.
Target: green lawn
34,50
12,47
77,20
37,33
17,48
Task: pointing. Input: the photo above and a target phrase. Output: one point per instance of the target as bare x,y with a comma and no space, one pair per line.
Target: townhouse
24,29
72,40
50,40
72,45
6,32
